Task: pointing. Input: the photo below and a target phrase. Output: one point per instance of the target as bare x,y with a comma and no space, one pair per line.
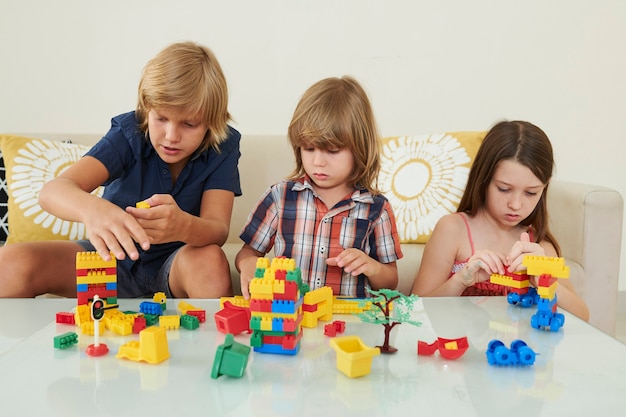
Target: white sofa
586,219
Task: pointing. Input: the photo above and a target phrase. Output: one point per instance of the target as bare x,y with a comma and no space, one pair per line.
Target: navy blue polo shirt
136,172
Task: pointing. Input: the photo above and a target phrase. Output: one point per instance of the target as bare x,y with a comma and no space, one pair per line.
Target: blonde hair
187,77
336,113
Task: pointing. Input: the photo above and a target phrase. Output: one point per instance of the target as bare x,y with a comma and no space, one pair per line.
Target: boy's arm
110,228
245,262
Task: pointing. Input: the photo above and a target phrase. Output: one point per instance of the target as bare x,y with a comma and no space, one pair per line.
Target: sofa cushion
29,163
424,177
4,197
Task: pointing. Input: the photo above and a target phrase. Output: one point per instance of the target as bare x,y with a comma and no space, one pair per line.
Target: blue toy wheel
526,356
502,355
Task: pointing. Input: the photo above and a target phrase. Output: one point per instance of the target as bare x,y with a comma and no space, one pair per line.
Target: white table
579,370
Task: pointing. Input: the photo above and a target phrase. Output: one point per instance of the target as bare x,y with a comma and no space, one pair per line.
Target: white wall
70,65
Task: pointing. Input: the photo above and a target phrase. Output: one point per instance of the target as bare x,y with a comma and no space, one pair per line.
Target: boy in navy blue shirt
176,153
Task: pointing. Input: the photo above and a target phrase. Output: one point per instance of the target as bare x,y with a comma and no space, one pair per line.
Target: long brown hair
525,144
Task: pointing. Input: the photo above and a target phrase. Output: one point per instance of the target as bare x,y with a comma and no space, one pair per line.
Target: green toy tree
383,302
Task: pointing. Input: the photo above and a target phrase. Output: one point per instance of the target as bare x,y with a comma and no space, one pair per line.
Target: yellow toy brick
169,322
142,205
548,292
82,314
237,301
539,265
508,281
92,260
88,328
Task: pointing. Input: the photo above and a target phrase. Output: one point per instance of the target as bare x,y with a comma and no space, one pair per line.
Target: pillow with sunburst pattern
424,177
29,163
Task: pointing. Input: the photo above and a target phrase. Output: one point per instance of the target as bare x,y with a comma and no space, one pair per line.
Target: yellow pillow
424,177
29,164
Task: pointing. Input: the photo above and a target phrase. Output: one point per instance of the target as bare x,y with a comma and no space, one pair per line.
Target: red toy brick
65,318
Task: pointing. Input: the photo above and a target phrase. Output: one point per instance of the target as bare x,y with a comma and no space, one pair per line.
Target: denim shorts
135,281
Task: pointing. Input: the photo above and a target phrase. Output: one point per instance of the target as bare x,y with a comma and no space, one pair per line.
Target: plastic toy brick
169,322
539,265
150,307
509,281
152,347
231,358
183,306
237,300
151,319
92,260
160,298
277,349
65,318
65,340
88,328
142,205
286,306
354,358
233,319
346,305
548,291
263,306
200,314
520,354
286,341
139,323
334,328
82,314
189,322
448,348
121,327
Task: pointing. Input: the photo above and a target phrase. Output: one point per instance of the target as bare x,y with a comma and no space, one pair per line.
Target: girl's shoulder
453,222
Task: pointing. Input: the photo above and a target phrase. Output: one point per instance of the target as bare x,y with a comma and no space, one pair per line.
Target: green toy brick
65,340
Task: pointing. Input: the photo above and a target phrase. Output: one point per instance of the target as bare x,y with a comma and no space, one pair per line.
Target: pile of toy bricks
276,298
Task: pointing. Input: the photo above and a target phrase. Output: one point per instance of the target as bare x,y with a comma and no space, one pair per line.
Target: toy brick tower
276,296
94,276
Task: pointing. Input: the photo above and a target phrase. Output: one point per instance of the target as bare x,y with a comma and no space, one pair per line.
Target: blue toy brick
150,307
111,286
278,349
81,287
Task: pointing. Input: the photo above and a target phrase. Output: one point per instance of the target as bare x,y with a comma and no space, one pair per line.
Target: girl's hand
355,262
480,267
162,221
520,249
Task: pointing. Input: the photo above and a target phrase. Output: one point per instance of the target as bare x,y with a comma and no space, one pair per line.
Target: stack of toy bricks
547,270
276,296
95,276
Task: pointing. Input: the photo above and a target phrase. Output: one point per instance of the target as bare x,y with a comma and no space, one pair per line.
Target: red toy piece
448,348
65,318
337,326
232,319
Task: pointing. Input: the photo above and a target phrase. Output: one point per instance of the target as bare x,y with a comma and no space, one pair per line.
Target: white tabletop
579,370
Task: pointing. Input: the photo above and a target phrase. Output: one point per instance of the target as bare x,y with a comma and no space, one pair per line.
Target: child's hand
355,262
480,267
520,249
113,230
162,221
